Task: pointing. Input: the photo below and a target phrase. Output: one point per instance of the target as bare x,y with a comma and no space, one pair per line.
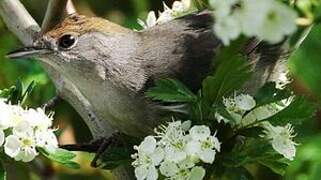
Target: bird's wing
182,49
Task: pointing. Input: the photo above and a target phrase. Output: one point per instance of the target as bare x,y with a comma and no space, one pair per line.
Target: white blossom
21,146
227,29
178,8
27,130
269,20
281,139
150,21
203,145
223,8
175,151
147,158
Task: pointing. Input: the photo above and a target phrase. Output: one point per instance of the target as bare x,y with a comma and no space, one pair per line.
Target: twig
54,14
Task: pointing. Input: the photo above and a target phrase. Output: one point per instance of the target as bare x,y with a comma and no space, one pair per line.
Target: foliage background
305,66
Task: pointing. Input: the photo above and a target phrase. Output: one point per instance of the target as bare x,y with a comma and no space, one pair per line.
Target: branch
55,12
19,20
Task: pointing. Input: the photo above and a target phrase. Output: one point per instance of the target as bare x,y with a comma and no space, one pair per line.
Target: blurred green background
305,66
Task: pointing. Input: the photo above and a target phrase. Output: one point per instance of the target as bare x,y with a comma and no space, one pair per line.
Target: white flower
178,9
5,115
147,158
227,29
38,118
150,21
10,115
168,168
222,7
21,146
245,102
203,144
196,173
269,20
173,141
46,139
281,139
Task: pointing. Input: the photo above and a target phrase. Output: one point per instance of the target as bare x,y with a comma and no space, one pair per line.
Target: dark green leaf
255,150
170,90
269,94
228,77
237,174
3,173
254,132
298,111
276,163
61,156
115,157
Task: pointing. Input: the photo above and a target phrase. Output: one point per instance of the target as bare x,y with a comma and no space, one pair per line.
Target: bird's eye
67,41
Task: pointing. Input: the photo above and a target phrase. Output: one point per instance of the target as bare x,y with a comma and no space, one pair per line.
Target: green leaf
170,90
255,150
298,111
270,94
115,157
237,174
276,163
254,132
230,75
61,156
3,173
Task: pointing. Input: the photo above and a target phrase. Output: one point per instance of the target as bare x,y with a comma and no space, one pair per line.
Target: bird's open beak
27,52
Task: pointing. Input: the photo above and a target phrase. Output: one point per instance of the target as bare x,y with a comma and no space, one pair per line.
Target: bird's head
74,40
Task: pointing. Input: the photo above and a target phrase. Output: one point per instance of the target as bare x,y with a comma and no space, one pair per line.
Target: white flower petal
193,147
152,173
207,156
245,102
168,168
197,173
141,172
148,145
26,155
200,132
12,146
157,156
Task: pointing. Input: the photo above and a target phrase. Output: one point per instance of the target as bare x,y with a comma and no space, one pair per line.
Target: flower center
27,142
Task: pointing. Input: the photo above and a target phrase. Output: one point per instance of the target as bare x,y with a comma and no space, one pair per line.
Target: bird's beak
28,52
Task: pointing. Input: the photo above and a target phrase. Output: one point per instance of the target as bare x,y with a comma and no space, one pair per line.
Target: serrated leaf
270,94
170,90
228,77
61,156
298,111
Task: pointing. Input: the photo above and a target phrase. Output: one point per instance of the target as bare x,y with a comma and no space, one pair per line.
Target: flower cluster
243,111
176,152
269,20
23,130
178,9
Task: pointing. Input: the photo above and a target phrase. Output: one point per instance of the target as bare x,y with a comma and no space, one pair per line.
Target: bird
113,66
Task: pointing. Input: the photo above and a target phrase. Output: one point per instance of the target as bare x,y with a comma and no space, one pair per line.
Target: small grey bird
113,66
